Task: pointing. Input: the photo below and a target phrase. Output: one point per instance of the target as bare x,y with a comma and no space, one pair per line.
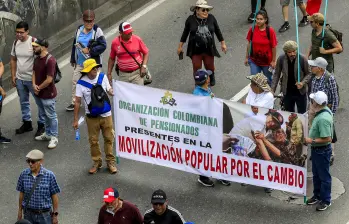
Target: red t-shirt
262,46
135,46
41,72
127,214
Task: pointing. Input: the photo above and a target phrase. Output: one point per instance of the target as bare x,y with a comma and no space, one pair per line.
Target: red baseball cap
125,28
110,194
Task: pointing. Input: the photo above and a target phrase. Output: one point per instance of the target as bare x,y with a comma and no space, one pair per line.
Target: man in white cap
38,191
323,81
320,138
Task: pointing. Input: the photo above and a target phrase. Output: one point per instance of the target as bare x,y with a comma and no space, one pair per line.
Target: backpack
337,34
100,102
58,74
267,29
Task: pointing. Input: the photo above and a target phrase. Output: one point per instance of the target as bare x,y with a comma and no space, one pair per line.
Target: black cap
158,197
40,43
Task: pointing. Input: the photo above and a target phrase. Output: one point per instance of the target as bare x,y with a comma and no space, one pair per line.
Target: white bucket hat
201,4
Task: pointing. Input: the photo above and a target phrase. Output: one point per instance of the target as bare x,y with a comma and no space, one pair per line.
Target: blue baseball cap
201,76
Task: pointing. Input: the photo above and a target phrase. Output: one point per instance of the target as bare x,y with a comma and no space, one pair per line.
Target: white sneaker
43,137
53,143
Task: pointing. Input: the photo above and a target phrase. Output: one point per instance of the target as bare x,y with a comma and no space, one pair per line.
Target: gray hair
290,46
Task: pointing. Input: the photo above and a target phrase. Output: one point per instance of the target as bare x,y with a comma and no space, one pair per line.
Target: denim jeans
258,69
51,120
44,218
322,179
23,90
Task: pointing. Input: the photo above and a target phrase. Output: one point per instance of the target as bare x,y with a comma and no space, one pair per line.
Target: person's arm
319,140
13,66
277,73
46,83
306,71
333,92
73,52
55,208
109,87
185,35
2,92
273,61
76,112
111,61
337,48
248,38
20,207
219,34
309,52
51,67
2,69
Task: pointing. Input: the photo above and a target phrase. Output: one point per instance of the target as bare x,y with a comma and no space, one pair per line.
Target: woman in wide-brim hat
260,94
201,27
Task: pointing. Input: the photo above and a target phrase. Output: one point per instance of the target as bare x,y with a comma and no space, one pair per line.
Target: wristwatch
144,66
54,213
313,142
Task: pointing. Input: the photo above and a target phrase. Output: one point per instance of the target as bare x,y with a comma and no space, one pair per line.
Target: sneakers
53,143
4,140
41,129
304,21
26,127
251,18
207,182
112,168
312,201
225,182
322,206
70,107
95,167
284,27
43,137
268,190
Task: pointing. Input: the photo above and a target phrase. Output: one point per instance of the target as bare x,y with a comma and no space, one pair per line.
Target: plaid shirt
330,89
41,198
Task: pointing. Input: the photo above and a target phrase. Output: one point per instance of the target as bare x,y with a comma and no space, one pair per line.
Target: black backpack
100,102
337,34
267,29
58,73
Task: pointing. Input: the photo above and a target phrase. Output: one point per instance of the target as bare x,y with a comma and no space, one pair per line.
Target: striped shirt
170,216
41,198
135,46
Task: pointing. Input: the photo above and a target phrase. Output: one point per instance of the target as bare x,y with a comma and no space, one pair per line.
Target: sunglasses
32,161
204,10
88,21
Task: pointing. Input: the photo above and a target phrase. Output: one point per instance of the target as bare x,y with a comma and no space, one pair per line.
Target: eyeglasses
88,21
32,161
204,10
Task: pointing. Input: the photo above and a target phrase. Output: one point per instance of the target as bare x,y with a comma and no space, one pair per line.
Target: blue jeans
51,120
44,218
258,69
322,179
23,90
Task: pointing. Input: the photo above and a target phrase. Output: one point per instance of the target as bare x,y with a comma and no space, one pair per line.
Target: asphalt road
161,29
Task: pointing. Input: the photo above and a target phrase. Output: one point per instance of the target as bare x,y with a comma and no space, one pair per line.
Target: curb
106,16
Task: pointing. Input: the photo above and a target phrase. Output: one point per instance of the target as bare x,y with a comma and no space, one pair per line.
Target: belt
129,71
323,147
92,116
38,211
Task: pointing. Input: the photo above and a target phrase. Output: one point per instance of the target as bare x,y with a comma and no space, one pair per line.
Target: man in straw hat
294,92
91,75
260,93
38,191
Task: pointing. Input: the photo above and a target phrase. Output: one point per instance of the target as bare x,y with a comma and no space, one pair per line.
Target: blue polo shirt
83,38
41,198
199,91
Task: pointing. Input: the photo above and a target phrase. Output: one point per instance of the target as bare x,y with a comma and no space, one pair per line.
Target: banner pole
116,145
324,26
254,23
297,35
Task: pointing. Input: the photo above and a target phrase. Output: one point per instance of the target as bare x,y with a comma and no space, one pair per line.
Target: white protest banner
210,137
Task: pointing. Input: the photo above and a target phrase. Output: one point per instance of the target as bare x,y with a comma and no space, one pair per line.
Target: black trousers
290,100
254,4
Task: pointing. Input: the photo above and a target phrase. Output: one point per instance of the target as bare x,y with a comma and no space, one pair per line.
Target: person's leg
93,128
254,69
302,7
209,65
52,120
288,103
75,78
316,178
23,93
267,74
286,25
301,102
324,174
197,62
108,135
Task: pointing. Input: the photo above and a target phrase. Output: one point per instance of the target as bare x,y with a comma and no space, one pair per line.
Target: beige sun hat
201,4
260,81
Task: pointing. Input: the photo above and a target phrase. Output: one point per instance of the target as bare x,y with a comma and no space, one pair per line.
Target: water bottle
77,134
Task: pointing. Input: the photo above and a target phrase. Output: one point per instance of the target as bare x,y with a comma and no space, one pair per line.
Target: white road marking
241,94
113,31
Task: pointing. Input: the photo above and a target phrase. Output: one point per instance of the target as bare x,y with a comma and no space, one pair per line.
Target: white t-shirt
25,58
265,99
85,93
